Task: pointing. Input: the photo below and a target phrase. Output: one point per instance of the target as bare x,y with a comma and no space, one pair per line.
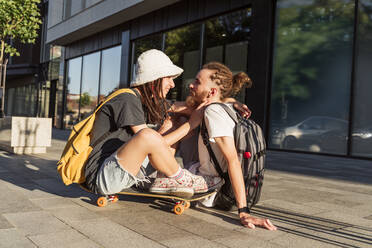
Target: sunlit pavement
315,201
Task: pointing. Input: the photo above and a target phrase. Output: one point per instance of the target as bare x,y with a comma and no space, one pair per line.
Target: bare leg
171,124
147,142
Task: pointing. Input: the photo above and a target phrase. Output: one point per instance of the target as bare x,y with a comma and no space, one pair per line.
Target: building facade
32,77
309,60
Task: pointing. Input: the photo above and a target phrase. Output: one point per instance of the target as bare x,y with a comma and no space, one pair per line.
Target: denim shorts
113,178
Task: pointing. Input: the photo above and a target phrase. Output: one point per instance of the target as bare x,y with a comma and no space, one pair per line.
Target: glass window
226,41
66,9
311,75
10,101
144,44
182,45
110,71
89,84
73,91
44,99
362,126
20,101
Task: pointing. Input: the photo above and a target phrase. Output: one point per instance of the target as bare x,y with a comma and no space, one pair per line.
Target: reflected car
362,141
316,133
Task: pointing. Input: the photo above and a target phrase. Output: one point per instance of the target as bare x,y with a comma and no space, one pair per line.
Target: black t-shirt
111,130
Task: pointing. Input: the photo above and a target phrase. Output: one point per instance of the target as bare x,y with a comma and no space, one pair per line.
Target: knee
149,136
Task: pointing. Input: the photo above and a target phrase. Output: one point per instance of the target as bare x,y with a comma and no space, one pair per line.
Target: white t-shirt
219,124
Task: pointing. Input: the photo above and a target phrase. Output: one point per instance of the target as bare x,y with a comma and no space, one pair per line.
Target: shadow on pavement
33,175
322,166
324,230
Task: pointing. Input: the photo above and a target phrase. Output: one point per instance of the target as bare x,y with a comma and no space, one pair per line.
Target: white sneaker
171,186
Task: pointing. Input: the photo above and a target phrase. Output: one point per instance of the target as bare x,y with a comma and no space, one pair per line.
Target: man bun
240,80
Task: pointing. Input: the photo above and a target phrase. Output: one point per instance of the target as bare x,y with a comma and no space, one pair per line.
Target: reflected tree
85,99
229,28
307,35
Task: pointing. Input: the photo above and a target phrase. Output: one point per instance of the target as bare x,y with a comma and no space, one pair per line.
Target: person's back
218,124
112,129
214,83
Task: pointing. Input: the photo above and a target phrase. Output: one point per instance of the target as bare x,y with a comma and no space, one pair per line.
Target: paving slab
62,239
301,238
346,218
343,208
109,234
4,223
13,202
192,242
55,202
12,238
36,222
30,191
71,214
290,220
289,206
240,241
322,205
324,238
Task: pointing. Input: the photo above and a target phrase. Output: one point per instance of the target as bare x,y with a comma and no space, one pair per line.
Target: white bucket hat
154,64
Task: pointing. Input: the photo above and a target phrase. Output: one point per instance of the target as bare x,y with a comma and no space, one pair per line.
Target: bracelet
244,210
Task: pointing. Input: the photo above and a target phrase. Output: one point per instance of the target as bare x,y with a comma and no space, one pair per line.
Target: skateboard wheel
102,201
178,209
187,204
113,198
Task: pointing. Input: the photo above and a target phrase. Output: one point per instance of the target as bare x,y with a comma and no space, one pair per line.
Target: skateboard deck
180,203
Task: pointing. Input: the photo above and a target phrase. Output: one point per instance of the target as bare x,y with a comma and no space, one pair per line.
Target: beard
193,100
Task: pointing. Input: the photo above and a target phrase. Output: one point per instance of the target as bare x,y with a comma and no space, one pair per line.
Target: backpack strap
114,94
233,115
205,136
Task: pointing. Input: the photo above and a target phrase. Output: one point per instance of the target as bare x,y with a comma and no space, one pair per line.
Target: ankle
177,174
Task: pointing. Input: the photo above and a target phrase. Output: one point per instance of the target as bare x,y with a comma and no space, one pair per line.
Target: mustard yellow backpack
77,149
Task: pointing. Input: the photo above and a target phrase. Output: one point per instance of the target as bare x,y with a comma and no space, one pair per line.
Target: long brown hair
152,98
229,84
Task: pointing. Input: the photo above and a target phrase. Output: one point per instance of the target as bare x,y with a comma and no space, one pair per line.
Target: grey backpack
251,147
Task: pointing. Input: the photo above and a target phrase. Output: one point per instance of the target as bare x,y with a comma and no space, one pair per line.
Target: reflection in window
73,91
311,77
226,41
110,71
183,47
89,84
144,44
362,126
20,101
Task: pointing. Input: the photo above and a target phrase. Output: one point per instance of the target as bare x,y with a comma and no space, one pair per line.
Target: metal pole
2,84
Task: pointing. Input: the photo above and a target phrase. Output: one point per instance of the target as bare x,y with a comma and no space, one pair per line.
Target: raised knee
149,135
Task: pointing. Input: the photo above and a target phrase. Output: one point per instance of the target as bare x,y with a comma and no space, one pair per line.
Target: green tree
85,99
308,36
19,21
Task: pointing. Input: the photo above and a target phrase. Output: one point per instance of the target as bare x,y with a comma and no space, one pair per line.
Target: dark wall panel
259,59
238,3
96,42
216,6
181,13
177,14
167,18
195,10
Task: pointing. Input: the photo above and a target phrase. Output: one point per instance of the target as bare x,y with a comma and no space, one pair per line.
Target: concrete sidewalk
316,201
